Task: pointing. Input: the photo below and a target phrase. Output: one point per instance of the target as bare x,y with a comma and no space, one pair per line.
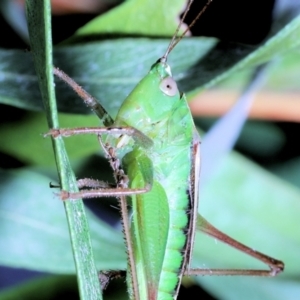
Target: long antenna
175,40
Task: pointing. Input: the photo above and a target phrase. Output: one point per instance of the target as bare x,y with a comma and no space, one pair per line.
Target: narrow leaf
39,24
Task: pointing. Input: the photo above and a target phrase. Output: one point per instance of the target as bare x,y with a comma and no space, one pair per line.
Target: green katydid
155,137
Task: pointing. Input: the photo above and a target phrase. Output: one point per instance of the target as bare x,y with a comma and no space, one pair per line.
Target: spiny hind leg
275,266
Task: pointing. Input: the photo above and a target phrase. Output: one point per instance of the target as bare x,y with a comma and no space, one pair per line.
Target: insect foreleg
88,99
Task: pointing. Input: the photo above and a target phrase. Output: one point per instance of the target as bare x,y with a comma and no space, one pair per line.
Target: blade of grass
39,23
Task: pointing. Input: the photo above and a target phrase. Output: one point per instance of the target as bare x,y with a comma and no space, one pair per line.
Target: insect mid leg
93,183
122,183
99,188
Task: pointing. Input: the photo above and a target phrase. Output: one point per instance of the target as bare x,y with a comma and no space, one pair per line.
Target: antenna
175,40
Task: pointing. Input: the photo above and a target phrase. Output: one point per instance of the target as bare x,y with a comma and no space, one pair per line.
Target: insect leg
275,266
106,276
122,182
100,191
88,99
137,135
93,183
100,111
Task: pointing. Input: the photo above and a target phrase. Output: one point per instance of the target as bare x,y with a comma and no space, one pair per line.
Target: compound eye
168,86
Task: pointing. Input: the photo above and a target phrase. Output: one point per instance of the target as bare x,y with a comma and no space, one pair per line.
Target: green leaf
289,171
56,287
108,70
15,134
35,233
268,137
257,209
142,13
253,288
39,25
111,68
45,288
